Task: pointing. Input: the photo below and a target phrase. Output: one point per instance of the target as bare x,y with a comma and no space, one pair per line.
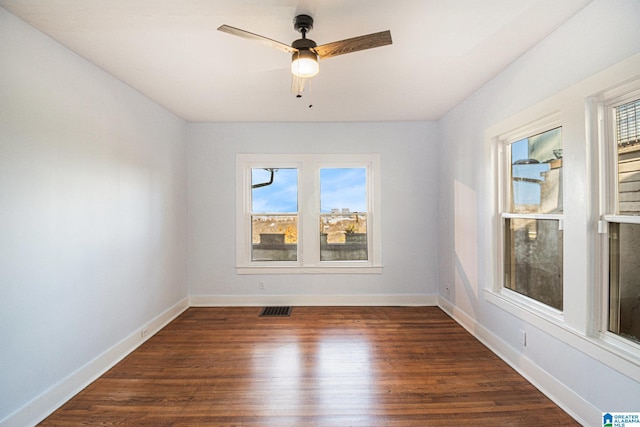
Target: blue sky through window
530,158
279,197
340,188
525,193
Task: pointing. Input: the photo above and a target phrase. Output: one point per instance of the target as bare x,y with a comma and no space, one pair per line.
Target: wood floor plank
322,366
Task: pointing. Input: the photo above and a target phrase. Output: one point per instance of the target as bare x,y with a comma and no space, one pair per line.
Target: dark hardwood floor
323,366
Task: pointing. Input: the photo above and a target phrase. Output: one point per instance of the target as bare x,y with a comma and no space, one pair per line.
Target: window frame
608,204
501,153
308,259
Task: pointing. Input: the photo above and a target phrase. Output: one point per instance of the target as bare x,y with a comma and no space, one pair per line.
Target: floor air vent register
275,312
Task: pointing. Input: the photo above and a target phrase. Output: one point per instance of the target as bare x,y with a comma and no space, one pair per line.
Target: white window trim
577,328
622,219
308,260
603,115
500,295
557,217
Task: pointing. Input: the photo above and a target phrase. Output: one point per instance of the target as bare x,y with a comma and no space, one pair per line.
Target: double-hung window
308,213
531,213
620,219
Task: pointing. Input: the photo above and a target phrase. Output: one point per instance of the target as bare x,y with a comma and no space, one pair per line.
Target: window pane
628,148
343,237
343,218
274,190
624,280
628,123
533,259
274,237
536,173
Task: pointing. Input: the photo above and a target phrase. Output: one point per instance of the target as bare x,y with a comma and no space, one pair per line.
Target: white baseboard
581,410
311,300
46,403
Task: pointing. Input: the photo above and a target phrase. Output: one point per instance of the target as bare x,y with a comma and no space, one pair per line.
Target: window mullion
309,185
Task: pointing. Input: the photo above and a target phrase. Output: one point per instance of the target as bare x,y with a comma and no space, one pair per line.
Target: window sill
348,269
516,304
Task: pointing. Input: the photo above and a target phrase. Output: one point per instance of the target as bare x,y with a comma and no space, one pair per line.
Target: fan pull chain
298,87
310,95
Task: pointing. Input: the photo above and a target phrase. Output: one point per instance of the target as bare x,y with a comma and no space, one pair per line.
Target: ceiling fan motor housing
303,24
303,44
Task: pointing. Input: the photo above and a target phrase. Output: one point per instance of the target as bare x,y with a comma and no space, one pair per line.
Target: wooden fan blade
257,37
354,44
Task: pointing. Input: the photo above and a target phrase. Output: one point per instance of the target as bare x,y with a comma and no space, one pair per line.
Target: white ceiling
170,51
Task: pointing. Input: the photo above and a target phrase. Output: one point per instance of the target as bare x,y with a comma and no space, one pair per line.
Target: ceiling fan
305,52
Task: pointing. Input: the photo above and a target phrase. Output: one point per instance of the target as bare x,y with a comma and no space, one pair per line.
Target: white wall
92,216
577,372
409,188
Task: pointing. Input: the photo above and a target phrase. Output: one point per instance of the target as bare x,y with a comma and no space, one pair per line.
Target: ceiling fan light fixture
304,63
306,53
